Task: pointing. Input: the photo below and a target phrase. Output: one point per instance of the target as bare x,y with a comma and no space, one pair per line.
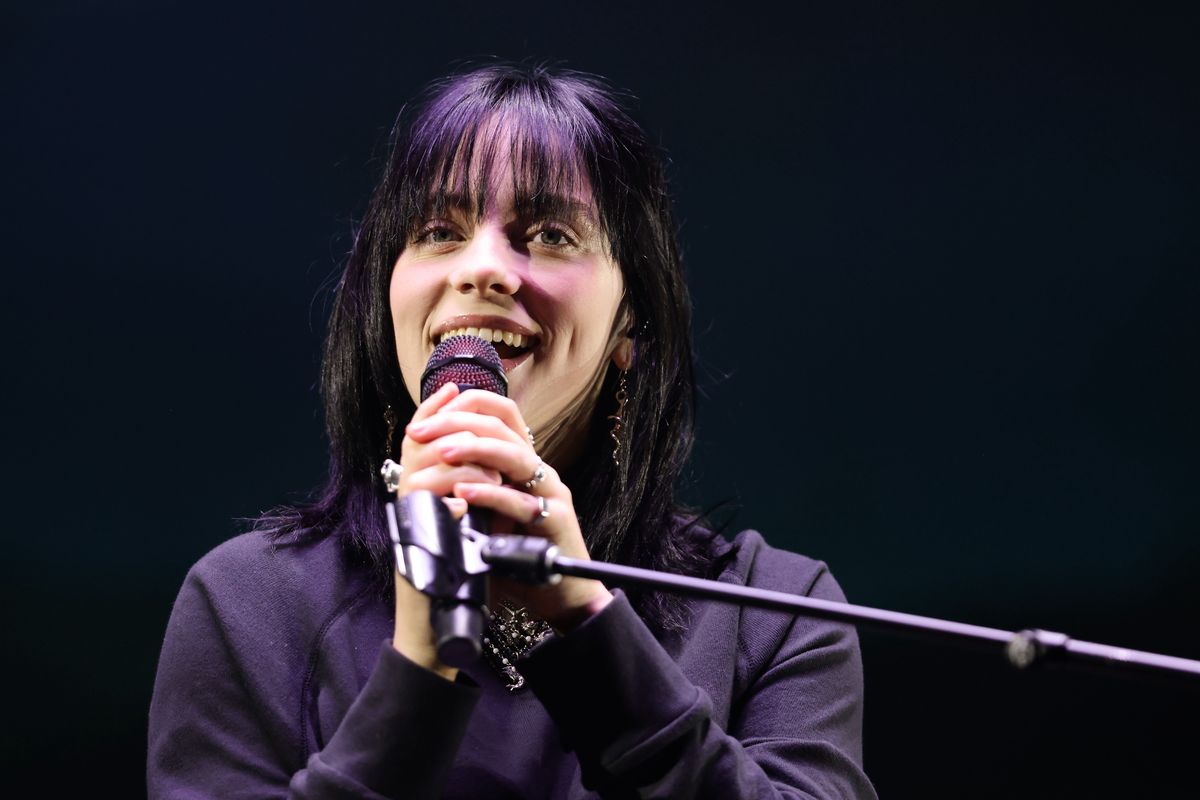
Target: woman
528,207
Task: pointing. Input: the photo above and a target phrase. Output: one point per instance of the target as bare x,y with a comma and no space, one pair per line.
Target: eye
437,233
552,235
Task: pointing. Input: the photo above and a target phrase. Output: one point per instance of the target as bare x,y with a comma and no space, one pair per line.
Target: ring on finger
539,475
529,435
542,513
391,472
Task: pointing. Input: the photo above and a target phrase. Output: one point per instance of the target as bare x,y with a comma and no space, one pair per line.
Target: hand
424,469
479,436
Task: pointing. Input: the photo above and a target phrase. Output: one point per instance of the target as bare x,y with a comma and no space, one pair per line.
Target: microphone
468,361
435,553
471,363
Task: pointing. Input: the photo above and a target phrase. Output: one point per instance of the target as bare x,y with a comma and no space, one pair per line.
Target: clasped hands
473,448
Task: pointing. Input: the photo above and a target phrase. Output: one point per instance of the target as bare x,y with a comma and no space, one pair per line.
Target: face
544,290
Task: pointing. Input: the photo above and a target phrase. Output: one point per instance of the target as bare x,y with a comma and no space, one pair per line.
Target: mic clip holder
439,555
434,552
443,559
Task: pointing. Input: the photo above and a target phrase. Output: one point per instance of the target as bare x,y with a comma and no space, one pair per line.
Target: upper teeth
487,334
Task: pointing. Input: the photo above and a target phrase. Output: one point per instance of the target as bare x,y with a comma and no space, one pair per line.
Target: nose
488,266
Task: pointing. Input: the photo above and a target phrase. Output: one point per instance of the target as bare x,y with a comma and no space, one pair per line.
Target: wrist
597,600
424,657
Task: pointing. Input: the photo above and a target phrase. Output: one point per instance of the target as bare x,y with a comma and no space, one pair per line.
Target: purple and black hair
558,128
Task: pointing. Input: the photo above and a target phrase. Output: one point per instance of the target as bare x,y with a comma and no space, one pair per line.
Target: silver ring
529,434
539,475
391,473
542,513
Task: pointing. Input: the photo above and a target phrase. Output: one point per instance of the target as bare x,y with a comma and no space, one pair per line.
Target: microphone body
437,554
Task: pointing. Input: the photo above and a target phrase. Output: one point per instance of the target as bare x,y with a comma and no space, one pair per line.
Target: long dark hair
559,126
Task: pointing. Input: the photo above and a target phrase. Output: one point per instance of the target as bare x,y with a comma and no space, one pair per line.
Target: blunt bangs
545,133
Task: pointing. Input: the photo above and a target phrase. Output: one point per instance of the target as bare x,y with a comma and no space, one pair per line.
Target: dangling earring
389,417
391,471
618,418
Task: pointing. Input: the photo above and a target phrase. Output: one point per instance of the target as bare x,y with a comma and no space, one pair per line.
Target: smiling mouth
511,347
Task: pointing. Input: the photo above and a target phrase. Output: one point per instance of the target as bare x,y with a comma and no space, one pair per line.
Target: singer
523,207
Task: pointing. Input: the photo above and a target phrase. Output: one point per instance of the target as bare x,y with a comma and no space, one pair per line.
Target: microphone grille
468,361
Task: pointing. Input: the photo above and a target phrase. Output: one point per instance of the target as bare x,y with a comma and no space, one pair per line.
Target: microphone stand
534,560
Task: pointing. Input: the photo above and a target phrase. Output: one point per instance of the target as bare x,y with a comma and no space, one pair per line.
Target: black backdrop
944,270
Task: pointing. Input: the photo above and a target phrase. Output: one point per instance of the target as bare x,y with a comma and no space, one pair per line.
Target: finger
524,509
516,461
447,421
457,506
417,456
441,479
434,403
493,405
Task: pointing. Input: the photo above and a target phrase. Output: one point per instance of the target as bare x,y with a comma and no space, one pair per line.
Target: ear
622,342
623,353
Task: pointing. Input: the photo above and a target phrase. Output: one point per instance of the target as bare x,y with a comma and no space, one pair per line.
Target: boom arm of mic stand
535,560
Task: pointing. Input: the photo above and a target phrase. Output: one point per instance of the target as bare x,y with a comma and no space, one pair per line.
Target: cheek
400,314
410,298
601,306
396,295
404,304
591,305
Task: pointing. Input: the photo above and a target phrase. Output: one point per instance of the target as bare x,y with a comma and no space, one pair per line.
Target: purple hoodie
277,679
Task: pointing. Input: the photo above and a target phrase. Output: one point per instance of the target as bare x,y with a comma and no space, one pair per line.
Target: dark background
944,262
